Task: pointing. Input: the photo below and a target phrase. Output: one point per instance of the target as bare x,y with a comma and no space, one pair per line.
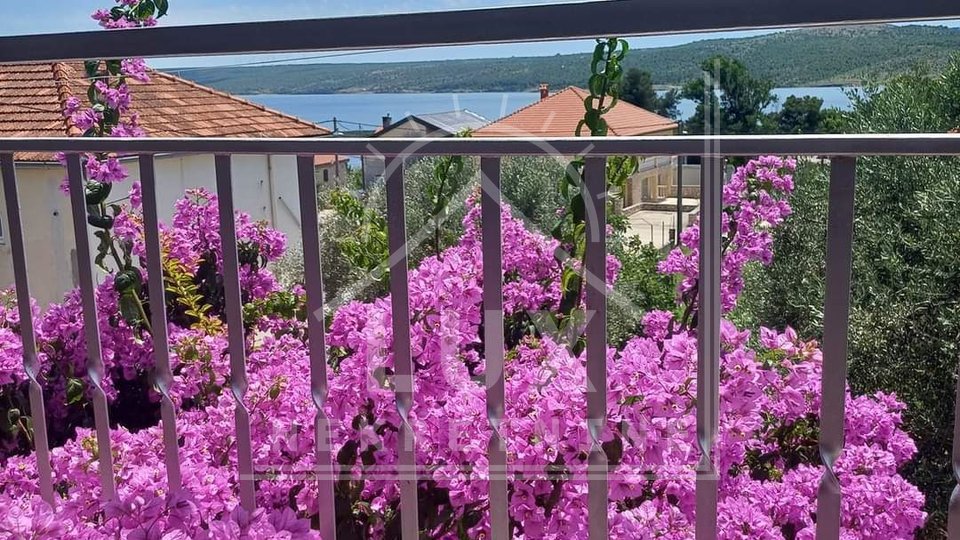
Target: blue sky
37,17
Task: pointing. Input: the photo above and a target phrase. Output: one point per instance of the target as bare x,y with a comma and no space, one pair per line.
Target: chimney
386,121
544,91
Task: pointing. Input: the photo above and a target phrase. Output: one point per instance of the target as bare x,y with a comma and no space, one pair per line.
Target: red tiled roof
321,160
32,97
558,114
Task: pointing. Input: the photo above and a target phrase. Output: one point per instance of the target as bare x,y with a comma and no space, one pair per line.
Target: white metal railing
577,20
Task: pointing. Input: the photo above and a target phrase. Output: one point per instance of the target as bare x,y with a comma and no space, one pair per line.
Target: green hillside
814,57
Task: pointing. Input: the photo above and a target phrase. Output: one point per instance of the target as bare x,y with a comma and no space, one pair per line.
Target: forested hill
814,57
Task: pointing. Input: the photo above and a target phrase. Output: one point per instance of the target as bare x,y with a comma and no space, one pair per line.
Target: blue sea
365,111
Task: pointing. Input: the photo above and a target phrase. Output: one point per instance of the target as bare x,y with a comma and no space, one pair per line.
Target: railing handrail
895,144
465,27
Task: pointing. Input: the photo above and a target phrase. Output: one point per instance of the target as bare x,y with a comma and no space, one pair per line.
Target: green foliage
280,304
637,89
605,82
905,298
447,180
185,299
812,57
800,115
729,99
639,289
353,239
529,186
435,190
366,246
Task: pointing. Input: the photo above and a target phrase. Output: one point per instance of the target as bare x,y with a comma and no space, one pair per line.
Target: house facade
32,97
418,126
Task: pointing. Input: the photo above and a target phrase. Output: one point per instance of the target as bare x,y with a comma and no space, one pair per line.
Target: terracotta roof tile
328,159
32,97
558,114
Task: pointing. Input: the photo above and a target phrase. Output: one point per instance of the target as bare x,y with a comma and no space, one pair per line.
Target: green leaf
578,208
74,391
113,67
93,95
103,248
144,9
100,222
92,67
13,416
162,7
97,192
130,308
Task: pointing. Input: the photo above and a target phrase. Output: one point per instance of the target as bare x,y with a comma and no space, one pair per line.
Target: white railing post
595,266
402,360
313,283
708,343
493,343
236,340
162,375
836,313
31,363
88,293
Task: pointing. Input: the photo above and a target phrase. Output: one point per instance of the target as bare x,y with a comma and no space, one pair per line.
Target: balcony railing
578,20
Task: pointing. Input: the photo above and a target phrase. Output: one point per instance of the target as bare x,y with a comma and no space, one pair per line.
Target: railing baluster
310,229
162,375
953,522
493,343
595,266
31,365
402,361
95,368
843,172
236,344
708,344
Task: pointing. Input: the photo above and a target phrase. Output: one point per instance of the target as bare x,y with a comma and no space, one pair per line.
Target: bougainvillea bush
766,450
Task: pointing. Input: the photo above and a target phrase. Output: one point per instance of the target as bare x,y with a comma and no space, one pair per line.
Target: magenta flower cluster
766,450
109,113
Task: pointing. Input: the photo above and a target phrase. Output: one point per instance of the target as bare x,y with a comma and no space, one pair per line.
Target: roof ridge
239,99
525,107
60,79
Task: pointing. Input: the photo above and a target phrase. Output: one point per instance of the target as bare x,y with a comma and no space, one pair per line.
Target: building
442,124
32,97
558,115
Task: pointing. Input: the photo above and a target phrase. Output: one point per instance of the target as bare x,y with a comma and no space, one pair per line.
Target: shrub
905,315
765,452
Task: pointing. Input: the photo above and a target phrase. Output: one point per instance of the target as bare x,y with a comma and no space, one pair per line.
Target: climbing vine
606,73
107,113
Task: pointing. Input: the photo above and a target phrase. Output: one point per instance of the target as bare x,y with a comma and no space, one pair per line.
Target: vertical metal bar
310,229
708,344
676,235
234,312
95,368
493,343
953,513
595,265
31,365
402,361
162,375
843,172
953,521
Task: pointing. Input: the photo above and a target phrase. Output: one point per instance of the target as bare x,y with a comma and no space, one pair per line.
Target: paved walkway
655,226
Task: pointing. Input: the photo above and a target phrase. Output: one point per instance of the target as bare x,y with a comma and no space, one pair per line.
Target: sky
53,16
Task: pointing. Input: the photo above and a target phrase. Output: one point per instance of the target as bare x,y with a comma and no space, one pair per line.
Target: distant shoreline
823,57
658,88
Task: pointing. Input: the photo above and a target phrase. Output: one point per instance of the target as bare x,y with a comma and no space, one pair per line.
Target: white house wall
264,187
